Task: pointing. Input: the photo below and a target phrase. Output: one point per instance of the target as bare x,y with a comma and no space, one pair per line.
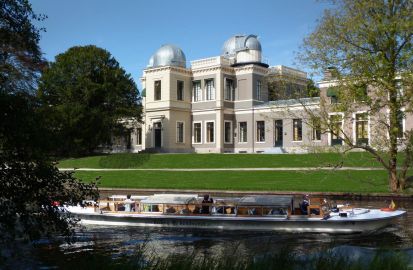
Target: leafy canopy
367,45
84,94
29,182
20,55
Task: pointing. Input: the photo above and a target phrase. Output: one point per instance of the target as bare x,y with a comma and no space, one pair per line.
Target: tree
312,89
84,94
20,55
368,44
29,182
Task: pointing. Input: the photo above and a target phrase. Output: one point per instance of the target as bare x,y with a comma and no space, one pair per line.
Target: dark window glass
157,90
180,90
260,131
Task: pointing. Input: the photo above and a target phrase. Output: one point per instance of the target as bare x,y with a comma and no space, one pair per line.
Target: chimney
330,73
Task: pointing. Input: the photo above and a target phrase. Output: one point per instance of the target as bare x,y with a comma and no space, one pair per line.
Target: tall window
297,130
316,134
197,133
210,132
229,92
260,131
180,90
243,132
362,129
139,136
157,90
210,89
179,132
259,90
227,132
400,125
336,122
197,92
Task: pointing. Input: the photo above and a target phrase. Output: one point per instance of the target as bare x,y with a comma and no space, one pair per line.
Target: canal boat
252,212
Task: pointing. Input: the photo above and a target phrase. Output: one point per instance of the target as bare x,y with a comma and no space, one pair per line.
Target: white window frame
403,123
155,92
209,92
183,132
140,135
239,132
230,131
206,131
355,124
256,131
313,133
342,125
231,91
193,132
183,90
194,91
302,129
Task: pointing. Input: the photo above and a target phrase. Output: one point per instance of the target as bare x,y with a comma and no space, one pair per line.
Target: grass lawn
155,161
321,181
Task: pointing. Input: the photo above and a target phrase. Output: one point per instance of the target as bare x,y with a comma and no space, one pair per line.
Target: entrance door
158,135
278,133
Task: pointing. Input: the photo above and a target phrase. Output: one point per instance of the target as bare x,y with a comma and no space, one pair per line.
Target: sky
132,30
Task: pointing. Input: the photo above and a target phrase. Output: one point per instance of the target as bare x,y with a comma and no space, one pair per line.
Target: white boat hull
369,221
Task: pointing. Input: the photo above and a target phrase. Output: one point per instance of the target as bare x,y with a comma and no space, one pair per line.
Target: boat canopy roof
266,200
123,197
171,199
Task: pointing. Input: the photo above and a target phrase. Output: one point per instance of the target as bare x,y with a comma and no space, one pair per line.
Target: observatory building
224,104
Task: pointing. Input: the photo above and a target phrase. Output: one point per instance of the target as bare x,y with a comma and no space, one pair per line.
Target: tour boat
252,212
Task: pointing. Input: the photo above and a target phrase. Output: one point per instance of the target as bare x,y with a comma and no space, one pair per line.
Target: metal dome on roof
240,43
168,55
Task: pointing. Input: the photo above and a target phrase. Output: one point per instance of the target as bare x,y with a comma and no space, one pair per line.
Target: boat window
249,211
224,210
274,211
177,209
151,208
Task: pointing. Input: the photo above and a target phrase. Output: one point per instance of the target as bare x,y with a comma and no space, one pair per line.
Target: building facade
221,105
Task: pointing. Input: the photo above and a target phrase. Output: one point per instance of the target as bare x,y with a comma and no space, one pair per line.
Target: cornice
251,68
167,68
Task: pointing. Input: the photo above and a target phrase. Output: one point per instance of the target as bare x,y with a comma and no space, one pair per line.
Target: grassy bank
355,159
317,181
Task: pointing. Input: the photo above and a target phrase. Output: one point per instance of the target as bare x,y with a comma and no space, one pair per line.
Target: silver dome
168,55
240,43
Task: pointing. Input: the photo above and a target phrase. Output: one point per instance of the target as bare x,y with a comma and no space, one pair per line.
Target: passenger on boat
129,204
196,210
206,202
304,204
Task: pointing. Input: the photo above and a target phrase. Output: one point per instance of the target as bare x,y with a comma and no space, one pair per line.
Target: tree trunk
393,181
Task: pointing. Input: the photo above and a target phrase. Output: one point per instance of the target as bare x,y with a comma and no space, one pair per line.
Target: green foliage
26,202
29,182
20,55
367,44
312,89
84,95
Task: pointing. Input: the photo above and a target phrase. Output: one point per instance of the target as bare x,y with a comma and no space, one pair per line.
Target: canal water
115,242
